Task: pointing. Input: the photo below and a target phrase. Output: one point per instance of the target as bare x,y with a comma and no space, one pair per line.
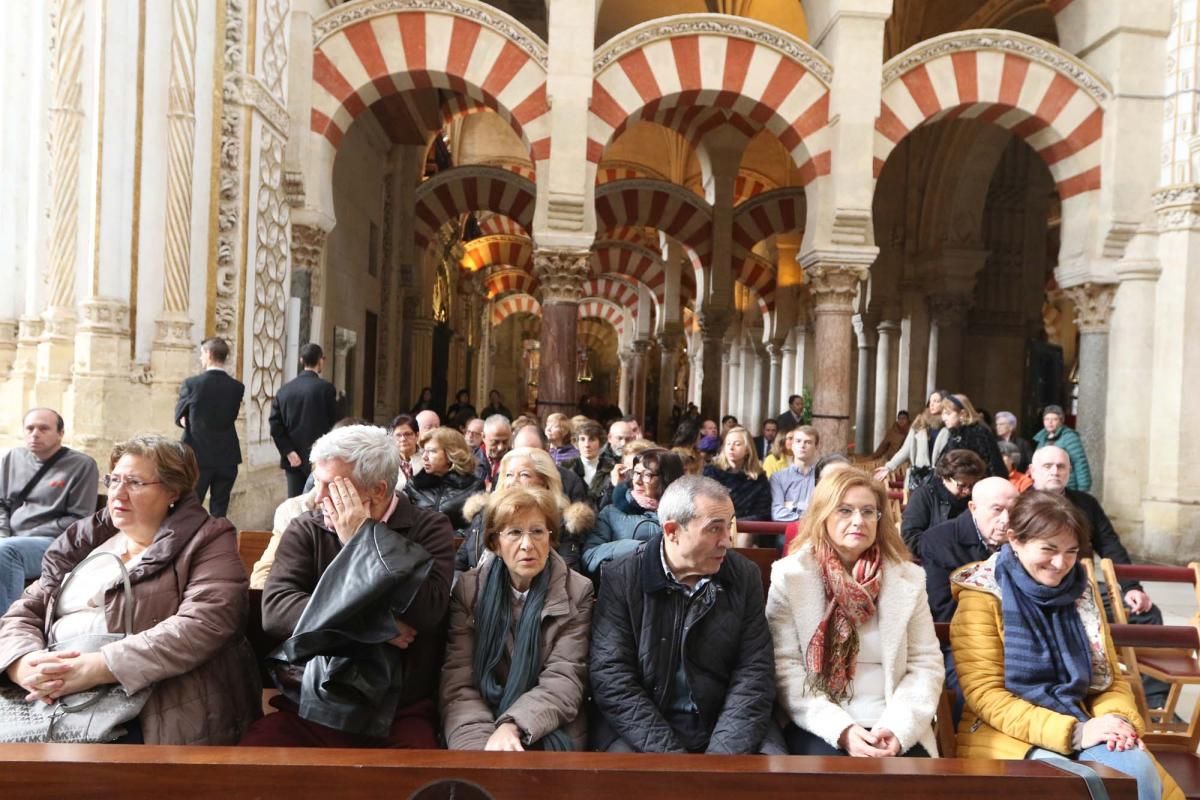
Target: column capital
833,286
949,309
641,346
421,325
713,323
561,274
888,326
775,351
1093,305
110,315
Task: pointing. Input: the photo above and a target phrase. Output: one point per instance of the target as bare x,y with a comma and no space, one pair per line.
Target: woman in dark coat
964,429
737,468
632,515
943,498
447,477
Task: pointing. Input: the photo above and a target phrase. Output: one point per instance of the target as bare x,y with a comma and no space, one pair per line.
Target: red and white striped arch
491,224
769,214
611,287
503,282
758,275
1039,92
457,106
498,251
623,171
463,190
515,304
366,53
596,334
636,263
750,184
656,204
597,308
760,73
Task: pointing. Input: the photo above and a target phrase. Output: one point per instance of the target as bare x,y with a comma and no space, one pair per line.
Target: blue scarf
493,617
1047,659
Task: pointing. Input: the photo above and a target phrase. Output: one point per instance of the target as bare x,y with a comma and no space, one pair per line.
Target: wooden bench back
251,546
143,771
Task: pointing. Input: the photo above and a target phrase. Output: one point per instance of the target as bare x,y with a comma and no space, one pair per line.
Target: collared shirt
990,547
791,489
690,590
589,469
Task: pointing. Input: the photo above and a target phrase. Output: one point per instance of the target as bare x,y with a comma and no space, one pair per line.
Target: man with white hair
619,434
359,592
497,438
681,656
427,420
967,538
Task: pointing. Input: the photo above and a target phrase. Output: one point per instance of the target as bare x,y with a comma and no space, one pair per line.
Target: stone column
641,376
625,388
946,341
736,376
800,381
788,373
932,356
864,332
726,380
1093,312
670,344
884,353
561,275
55,350
753,379
833,287
713,325
420,362
775,359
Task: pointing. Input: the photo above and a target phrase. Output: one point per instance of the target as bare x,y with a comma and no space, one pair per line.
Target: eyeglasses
868,513
404,435
644,475
962,486
516,534
132,484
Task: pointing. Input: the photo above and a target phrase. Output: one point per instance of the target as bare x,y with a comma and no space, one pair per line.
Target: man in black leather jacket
359,589
681,657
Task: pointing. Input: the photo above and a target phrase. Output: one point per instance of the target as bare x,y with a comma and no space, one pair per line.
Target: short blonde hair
504,504
752,467
543,465
456,447
830,493
174,461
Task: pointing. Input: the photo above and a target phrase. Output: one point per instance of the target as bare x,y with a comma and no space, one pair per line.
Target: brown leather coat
189,614
557,700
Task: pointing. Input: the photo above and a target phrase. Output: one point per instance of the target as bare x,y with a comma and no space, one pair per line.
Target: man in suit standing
207,411
303,411
762,443
792,416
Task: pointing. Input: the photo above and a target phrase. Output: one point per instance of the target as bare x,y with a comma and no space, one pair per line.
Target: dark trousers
805,743
412,729
218,480
296,478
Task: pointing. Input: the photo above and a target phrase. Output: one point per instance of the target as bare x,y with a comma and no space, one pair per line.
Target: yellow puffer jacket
998,724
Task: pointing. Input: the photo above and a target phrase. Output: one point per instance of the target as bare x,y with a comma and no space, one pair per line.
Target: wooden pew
143,771
251,546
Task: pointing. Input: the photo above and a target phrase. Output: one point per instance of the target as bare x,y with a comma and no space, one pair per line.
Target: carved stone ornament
293,188
1034,49
329,24
949,309
228,266
105,315
268,335
29,329
561,274
713,323
716,25
1178,207
173,332
1093,305
833,287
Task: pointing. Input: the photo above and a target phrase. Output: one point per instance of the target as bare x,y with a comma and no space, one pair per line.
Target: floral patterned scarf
833,649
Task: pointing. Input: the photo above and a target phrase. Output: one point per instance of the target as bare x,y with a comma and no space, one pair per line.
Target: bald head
1051,469
428,420
991,500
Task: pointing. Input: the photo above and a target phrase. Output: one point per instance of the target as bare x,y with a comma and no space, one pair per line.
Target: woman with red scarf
856,656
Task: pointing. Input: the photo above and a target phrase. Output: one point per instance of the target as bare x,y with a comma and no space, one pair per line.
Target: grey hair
678,502
497,419
1008,449
370,449
1006,416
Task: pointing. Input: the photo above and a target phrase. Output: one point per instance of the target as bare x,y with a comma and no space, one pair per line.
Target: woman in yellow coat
1034,656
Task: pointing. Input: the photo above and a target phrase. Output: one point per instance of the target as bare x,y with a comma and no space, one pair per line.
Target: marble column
884,353
641,377
775,381
865,333
788,373
932,357
800,379
833,287
625,389
733,388
754,378
670,344
1093,313
561,275
946,342
726,381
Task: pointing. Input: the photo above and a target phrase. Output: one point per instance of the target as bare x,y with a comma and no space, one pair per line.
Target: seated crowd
596,599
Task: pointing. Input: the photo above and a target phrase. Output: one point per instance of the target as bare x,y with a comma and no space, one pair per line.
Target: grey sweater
66,493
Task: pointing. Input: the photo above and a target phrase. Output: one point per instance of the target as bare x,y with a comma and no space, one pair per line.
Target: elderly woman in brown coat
190,605
516,662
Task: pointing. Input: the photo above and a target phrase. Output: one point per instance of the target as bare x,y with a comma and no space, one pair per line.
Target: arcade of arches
725,204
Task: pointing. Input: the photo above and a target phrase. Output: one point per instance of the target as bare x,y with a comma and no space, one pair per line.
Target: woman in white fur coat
856,656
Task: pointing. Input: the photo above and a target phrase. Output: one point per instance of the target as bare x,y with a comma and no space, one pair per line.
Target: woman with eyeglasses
189,595
532,468
857,661
631,517
406,435
944,499
516,668
447,477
